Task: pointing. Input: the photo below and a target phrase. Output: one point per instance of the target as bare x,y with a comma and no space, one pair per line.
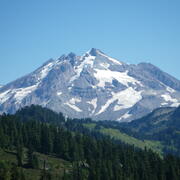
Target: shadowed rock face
93,85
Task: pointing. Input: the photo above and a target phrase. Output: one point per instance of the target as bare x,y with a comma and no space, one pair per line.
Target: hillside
56,168
71,151
116,134
162,124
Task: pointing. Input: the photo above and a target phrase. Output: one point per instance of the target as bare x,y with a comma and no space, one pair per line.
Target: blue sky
32,31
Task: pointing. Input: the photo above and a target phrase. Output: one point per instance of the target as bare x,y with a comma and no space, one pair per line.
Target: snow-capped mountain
93,85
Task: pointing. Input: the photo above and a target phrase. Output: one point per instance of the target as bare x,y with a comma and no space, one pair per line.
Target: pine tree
32,159
45,175
19,155
5,173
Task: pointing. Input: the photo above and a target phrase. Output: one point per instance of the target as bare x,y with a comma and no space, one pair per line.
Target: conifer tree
19,154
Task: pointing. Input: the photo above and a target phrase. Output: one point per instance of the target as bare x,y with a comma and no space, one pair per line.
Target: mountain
159,120
93,85
158,130
163,124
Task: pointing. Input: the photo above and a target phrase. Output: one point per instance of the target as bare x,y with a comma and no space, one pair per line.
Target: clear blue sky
32,31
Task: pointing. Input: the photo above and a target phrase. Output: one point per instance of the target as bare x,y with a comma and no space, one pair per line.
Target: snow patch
170,89
75,100
176,104
73,107
125,99
125,116
45,70
72,104
111,59
168,98
93,102
19,94
164,104
23,92
88,61
104,76
5,96
59,93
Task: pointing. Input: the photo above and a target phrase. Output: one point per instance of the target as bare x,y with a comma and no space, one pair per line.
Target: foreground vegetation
56,168
37,143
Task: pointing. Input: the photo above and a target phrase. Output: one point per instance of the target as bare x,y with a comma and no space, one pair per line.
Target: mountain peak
95,52
93,85
70,56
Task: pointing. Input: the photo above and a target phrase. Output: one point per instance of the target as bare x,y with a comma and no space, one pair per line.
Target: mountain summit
93,85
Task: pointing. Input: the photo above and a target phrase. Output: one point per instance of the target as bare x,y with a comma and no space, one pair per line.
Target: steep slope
157,121
163,124
93,85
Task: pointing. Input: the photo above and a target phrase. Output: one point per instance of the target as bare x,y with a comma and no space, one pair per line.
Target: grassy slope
116,134
55,164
